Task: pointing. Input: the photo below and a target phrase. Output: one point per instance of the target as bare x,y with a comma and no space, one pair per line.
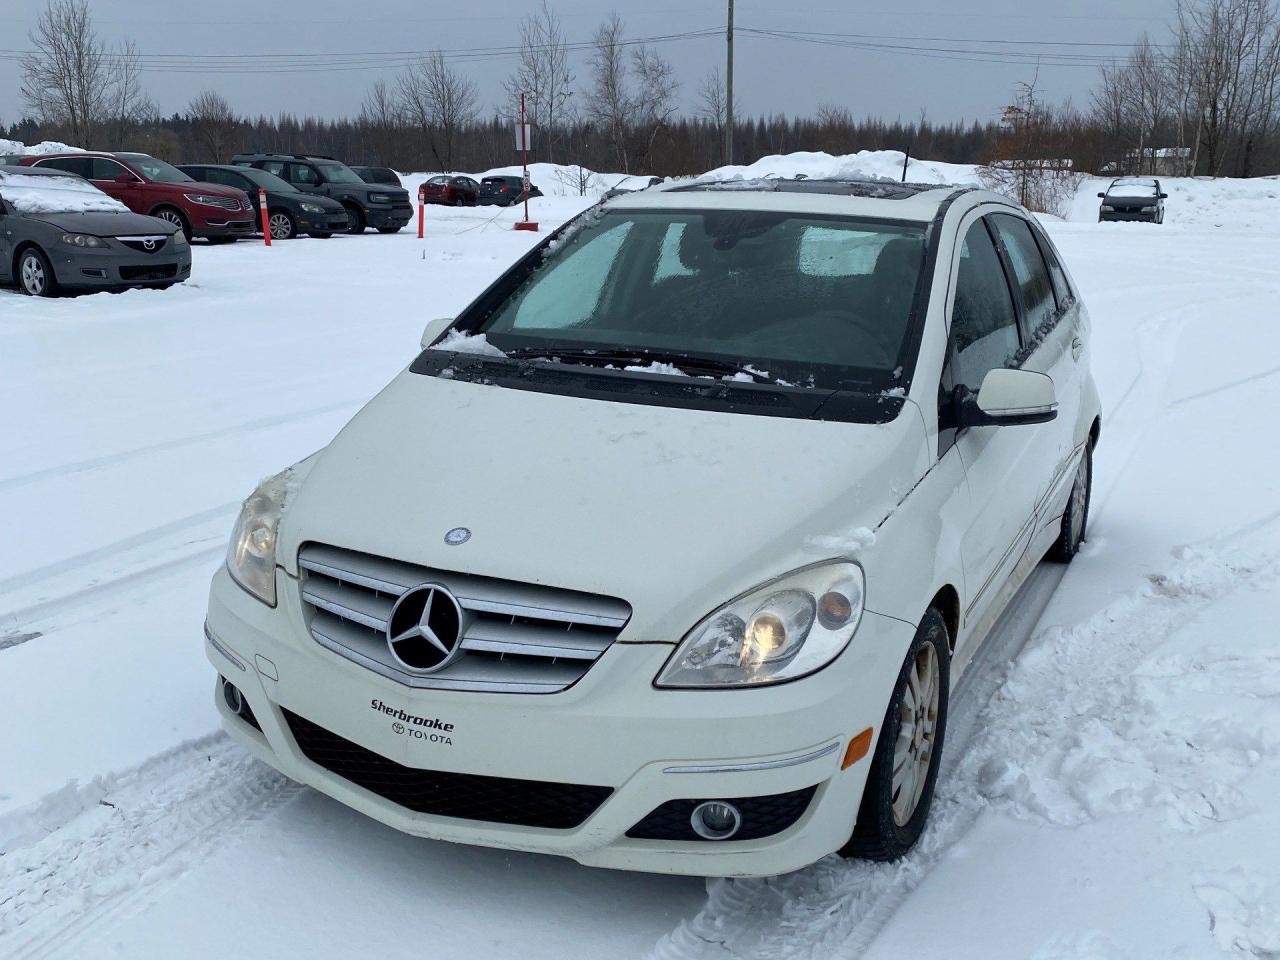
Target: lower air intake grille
761,817
527,803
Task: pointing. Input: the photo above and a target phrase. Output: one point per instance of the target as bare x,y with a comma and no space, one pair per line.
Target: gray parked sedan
58,231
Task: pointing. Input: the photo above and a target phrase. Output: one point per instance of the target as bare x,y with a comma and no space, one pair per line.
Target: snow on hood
672,510
35,195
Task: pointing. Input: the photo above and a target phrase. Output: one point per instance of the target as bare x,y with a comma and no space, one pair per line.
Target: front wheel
282,225
1075,519
35,276
355,220
899,789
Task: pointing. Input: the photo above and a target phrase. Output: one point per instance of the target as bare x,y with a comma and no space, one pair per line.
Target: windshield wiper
638,357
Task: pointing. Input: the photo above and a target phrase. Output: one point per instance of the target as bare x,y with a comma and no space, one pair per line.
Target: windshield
1132,187
154,169
813,300
338,173
268,181
37,194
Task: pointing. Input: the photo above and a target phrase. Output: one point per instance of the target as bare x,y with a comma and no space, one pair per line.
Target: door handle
1076,346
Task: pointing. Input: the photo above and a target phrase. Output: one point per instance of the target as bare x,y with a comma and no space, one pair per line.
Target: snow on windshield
32,194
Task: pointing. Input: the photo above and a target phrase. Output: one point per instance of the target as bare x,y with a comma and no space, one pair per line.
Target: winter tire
35,276
1075,519
355,219
283,226
899,789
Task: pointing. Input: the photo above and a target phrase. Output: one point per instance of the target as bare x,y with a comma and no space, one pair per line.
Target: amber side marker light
857,749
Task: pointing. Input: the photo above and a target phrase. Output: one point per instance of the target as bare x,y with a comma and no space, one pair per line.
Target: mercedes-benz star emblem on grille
148,244
457,536
424,633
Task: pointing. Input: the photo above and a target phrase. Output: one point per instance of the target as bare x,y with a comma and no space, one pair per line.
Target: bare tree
655,100
72,80
632,100
214,125
440,102
544,77
608,104
380,119
713,101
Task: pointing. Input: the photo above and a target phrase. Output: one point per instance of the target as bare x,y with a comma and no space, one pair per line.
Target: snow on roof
42,193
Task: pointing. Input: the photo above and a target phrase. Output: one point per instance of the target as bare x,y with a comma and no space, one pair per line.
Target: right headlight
312,207
787,628
251,555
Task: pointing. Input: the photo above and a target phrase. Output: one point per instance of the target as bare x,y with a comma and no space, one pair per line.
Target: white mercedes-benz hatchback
666,553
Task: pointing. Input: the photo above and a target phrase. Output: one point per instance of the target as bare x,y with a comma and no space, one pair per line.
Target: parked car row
385,208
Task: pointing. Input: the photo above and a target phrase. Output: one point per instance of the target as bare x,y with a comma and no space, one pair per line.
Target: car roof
876,199
38,171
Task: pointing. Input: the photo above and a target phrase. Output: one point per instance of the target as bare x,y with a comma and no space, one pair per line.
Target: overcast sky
773,75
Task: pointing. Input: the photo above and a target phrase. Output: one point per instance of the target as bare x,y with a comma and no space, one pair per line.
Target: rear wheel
282,225
174,215
355,219
1075,519
35,276
899,790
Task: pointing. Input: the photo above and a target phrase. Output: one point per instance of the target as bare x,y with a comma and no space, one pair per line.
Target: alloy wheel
917,729
1079,501
281,226
33,276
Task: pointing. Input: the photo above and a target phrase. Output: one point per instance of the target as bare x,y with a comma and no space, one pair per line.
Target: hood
674,511
107,224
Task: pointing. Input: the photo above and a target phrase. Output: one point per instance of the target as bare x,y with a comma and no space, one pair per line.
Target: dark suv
505,190
155,188
386,209
379,175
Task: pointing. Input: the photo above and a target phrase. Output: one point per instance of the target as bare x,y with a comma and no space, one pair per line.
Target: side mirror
1007,398
433,330
125,178
1164,196
1102,196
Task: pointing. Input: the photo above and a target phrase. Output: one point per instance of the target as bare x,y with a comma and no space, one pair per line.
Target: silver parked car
59,232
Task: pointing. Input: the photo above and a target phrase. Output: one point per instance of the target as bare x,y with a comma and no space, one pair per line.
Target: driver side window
984,326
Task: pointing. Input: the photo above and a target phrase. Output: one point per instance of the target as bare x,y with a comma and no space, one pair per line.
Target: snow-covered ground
1110,779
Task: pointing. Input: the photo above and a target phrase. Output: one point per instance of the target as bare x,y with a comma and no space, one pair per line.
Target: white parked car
666,554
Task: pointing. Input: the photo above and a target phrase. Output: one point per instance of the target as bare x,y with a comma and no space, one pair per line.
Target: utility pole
728,85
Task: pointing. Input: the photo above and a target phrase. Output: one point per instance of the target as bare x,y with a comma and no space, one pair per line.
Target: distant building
1158,161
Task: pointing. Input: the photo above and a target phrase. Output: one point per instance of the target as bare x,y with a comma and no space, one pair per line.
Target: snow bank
39,194
872,164
553,179
1194,201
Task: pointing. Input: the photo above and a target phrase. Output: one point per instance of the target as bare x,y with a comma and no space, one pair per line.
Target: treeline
1204,100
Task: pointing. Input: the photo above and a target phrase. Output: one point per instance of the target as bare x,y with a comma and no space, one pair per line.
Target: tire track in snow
85,853
109,460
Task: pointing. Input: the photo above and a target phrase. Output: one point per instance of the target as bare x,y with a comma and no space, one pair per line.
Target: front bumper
332,222
611,729
233,225
388,217
107,269
1145,216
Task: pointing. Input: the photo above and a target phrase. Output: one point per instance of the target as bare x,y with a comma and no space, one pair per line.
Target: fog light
715,820
231,694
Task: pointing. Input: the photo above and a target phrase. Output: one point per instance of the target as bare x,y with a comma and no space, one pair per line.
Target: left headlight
782,630
312,207
251,556
82,240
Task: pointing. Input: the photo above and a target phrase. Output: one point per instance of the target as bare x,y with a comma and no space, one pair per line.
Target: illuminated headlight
380,198
82,240
207,200
311,207
785,629
251,556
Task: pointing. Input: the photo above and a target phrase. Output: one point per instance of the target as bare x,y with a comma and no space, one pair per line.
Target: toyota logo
424,633
148,244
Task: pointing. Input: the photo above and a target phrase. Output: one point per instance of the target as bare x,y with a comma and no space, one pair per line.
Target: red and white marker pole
526,223
422,206
266,221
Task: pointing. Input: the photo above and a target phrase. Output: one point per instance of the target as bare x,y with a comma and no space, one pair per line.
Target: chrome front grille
226,203
150,244
517,637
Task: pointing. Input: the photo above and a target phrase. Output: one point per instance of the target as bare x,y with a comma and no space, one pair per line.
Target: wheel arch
947,602
1095,432
21,248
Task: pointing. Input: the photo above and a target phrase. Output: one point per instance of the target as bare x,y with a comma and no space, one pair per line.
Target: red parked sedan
451,191
150,186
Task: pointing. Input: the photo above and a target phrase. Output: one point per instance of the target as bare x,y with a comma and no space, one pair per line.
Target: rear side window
274,166
301,175
81,166
227,179
984,326
1059,276
1030,273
